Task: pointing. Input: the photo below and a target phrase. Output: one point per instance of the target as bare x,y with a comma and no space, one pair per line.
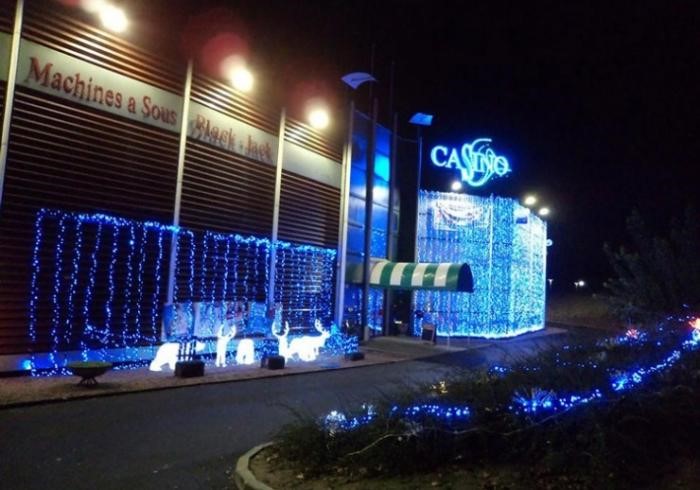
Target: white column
178,182
10,92
276,210
341,260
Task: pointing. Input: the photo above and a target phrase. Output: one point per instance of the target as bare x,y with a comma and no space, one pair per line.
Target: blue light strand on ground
625,380
534,400
336,421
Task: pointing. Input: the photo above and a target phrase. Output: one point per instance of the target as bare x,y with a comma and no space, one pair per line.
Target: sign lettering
476,161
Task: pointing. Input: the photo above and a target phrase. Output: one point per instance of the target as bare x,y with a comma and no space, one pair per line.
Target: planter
189,369
273,362
88,371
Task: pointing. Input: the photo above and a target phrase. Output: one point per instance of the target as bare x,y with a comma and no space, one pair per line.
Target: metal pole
276,209
411,320
10,92
343,228
369,198
391,235
178,182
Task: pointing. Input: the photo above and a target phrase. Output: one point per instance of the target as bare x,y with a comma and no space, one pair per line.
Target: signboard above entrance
476,161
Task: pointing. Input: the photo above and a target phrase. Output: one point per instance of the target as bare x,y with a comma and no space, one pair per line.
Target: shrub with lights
574,411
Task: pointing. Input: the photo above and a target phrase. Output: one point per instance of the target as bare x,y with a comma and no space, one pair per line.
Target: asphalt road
190,438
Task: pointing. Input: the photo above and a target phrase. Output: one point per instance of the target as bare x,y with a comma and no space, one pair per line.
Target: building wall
505,246
114,150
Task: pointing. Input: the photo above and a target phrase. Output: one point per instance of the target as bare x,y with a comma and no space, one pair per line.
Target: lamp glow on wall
238,73
317,113
113,18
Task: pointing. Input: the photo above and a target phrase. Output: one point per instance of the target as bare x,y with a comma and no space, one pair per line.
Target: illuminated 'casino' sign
476,161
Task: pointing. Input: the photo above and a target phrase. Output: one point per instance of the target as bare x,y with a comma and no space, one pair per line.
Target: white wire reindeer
306,348
168,353
245,352
222,345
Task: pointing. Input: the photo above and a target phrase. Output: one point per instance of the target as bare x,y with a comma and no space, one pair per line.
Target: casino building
129,182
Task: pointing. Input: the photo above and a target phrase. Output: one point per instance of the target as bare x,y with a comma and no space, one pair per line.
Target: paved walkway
381,350
190,438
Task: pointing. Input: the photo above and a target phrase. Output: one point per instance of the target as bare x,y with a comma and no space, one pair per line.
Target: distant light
421,119
113,18
456,185
530,200
544,212
242,79
580,283
319,118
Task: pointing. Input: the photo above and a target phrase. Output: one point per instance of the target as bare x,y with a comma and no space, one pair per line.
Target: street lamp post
419,120
276,210
353,80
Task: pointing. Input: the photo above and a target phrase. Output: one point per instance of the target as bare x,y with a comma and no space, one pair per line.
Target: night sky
595,104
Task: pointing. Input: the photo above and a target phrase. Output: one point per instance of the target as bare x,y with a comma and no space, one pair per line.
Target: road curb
244,478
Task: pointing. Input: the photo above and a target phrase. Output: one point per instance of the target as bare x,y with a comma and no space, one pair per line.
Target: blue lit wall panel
504,244
357,212
99,282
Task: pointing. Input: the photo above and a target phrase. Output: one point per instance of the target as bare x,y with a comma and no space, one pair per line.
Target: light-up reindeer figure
306,348
245,353
222,345
169,352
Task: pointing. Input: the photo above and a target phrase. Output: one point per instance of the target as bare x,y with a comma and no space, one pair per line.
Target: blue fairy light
507,257
118,256
532,400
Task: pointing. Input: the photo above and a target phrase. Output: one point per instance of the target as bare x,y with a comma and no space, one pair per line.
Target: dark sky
594,103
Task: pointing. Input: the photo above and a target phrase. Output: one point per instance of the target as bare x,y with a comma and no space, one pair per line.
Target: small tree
662,275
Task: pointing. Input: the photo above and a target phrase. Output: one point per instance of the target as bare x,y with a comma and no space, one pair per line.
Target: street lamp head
544,211
319,118
456,185
242,79
421,119
530,200
112,17
357,78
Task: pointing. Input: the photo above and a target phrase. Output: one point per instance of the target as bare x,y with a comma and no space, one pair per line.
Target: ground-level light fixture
456,185
544,211
530,200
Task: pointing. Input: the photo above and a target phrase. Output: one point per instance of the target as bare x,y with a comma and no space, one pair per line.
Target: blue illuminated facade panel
357,212
505,246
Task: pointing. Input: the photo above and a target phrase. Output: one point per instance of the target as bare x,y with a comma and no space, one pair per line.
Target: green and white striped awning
415,275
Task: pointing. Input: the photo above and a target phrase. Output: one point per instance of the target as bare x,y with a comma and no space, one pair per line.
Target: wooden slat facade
67,156
311,139
309,211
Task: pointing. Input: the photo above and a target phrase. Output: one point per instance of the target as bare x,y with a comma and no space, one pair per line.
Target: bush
661,275
617,440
